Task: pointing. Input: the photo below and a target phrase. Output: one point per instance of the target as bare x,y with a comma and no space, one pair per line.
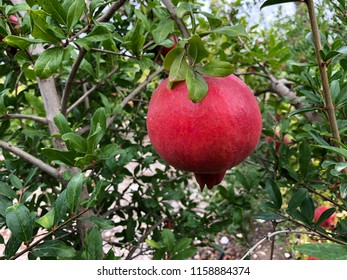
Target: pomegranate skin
207,137
328,223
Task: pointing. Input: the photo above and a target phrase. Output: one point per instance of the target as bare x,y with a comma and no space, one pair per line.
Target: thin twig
144,237
37,242
308,228
70,80
272,234
27,117
92,89
104,18
325,197
324,77
112,52
28,157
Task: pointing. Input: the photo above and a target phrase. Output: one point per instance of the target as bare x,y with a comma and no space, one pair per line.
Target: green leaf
75,142
212,20
48,62
171,56
341,151
21,42
305,158
103,224
20,222
154,244
93,244
179,69
98,34
7,191
197,49
75,12
216,68
325,215
54,8
324,251
98,120
60,208
184,254
74,191
197,86
4,204
274,193
12,246
62,123
164,29
297,198
54,249
41,28
307,209
231,31
267,216
303,110
67,157
35,102
16,182
343,190
168,239
47,220
183,244
275,2
316,137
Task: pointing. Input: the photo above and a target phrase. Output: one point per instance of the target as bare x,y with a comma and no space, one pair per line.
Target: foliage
76,162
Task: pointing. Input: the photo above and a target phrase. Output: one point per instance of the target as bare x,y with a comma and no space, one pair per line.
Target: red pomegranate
328,223
207,137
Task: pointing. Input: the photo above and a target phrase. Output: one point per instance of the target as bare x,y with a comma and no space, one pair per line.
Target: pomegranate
207,137
328,223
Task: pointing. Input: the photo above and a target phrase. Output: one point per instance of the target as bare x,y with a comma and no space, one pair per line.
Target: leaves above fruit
275,2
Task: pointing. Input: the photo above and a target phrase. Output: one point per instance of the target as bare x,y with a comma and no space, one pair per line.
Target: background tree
76,162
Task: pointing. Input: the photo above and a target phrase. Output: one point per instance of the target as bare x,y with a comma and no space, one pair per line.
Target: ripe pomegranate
207,137
328,223
312,258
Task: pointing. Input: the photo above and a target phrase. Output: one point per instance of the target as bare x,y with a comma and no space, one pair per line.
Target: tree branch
27,117
330,108
172,10
70,80
273,234
28,157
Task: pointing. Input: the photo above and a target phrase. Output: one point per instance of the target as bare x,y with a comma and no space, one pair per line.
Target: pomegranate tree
206,137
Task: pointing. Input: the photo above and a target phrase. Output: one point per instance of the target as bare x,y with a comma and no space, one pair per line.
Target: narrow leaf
54,8
73,191
20,222
75,12
164,28
75,142
62,123
54,249
93,244
324,251
197,50
179,68
297,198
41,28
197,86
47,220
216,68
171,56
21,42
275,2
